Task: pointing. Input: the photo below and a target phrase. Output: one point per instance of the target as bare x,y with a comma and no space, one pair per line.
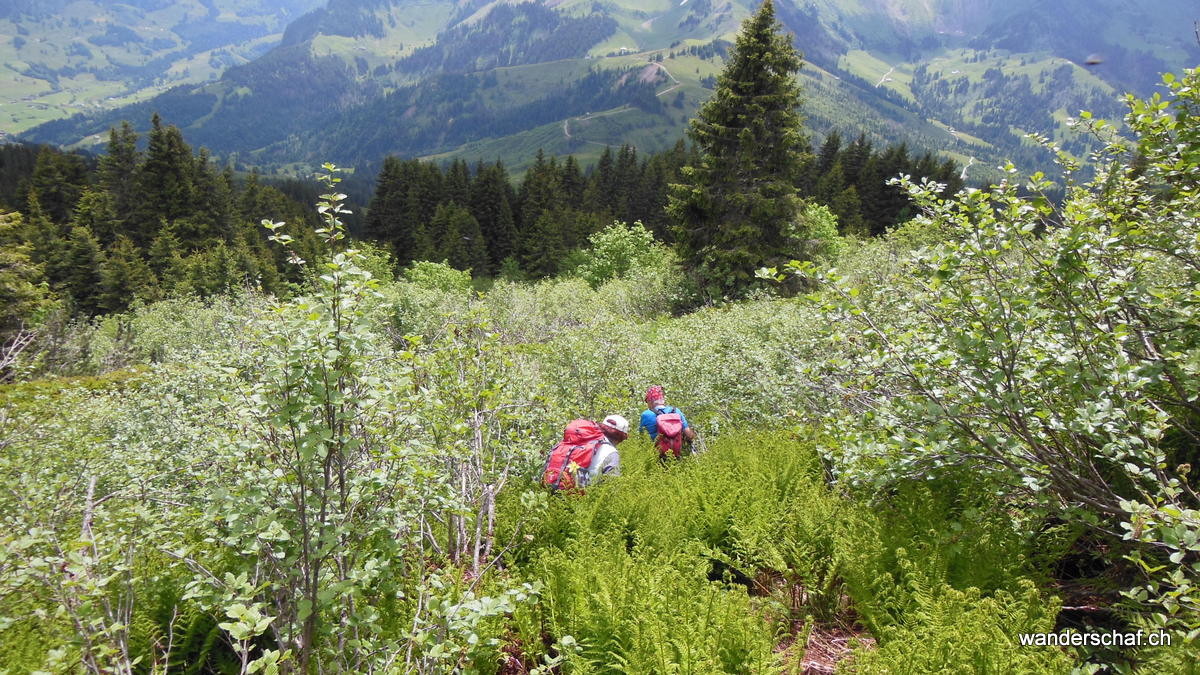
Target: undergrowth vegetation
988,415
751,529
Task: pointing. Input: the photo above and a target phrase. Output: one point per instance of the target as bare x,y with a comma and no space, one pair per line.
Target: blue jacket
649,420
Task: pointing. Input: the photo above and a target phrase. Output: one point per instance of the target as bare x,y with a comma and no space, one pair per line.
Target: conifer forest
256,420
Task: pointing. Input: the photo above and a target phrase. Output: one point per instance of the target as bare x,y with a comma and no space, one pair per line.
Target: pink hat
653,394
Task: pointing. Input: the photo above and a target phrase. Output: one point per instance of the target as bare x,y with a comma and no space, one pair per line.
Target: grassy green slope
585,136
409,27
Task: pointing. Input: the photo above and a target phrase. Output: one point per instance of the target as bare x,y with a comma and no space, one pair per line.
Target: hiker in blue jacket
674,425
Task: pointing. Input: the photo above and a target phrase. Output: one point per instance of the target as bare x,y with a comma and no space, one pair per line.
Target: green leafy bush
814,235
617,251
438,276
1051,350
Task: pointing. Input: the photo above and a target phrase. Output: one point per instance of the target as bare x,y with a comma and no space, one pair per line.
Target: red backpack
573,453
670,431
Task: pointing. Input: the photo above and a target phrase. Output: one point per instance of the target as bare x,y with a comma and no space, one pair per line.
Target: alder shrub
437,276
535,313
99,495
425,300
1052,350
616,252
737,364
350,473
279,498
820,227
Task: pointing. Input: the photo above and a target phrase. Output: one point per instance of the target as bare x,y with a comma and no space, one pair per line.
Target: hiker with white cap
587,453
606,461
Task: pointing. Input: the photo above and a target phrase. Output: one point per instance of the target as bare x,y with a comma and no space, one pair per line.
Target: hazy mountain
357,79
59,57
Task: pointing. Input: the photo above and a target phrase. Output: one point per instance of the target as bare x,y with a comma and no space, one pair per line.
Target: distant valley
62,57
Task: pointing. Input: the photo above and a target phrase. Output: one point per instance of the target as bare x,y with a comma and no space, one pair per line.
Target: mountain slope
361,78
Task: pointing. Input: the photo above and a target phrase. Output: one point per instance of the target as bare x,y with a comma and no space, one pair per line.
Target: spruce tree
97,211
23,291
628,178
118,168
848,209
831,184
460,242
457,183
59,179
385,210
124,277
249,200
212,210
540,238
541,191
166,182
871,193
830,150
81,265
854,158
735,206
544,246
573,183
893,203
599,193
492,199
49,241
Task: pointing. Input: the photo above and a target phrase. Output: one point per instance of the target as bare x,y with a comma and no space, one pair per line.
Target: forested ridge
942,428
147,224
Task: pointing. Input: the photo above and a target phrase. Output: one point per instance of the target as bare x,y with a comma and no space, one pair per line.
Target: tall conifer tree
385,213
599,193
59,179
212,208
735,206
97,211
492,199
457,183
49,241
540,238
118,168
573,183
166,181
460,241
628,178
828,154
124,276
82,261
22,291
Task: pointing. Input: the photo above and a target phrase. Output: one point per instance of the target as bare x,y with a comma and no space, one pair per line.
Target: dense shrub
1049,350
618,251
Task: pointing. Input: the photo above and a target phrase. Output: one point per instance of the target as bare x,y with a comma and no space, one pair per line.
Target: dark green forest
139,225
143,224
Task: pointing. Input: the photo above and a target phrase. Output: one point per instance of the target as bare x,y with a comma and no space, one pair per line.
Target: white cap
617,422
